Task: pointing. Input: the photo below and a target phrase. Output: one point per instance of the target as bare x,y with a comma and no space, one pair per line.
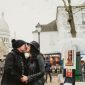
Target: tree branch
66,7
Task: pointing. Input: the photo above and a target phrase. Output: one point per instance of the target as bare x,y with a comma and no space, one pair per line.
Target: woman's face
28,47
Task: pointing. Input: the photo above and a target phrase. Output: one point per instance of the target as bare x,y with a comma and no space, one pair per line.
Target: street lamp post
38,28
39,37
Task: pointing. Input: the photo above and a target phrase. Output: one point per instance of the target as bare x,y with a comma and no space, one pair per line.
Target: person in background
1,66
83,70
14,69
35,65
48,70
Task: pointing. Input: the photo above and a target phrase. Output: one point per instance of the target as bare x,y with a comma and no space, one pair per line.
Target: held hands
24,79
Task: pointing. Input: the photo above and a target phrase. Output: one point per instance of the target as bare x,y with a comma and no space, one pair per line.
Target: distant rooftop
83,4
48,27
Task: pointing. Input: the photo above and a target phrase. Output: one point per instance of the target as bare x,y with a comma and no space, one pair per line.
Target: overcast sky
23,15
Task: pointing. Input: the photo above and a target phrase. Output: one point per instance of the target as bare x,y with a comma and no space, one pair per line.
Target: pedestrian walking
48,70
14,68
35,65
83,71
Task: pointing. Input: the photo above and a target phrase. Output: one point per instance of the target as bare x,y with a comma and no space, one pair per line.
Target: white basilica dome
3,25
4,36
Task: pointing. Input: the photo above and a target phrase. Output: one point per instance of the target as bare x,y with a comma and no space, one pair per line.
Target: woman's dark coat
36,70
14,68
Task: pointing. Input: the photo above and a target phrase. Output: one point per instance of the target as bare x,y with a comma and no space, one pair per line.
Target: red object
69,73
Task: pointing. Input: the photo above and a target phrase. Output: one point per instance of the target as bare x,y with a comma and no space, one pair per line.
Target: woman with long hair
35,65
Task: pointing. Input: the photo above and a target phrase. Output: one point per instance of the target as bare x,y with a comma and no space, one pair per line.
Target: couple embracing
19,70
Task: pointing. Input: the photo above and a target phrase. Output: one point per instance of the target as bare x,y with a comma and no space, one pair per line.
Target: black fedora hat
35,45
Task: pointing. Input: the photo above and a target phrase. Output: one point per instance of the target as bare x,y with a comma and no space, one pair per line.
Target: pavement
55,81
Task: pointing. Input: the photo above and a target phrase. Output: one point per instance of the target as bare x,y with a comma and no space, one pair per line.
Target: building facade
57,36
48,38
4,37
64,27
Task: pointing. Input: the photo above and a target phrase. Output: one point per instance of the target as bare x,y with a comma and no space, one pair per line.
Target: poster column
70,65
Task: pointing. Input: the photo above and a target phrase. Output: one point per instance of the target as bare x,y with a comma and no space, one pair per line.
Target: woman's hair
34,52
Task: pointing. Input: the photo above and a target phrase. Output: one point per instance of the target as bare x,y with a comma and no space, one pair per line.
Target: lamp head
38,27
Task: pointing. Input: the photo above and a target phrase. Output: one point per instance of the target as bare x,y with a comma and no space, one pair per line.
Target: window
83,18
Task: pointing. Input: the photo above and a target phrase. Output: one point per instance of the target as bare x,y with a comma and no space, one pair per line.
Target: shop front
55,61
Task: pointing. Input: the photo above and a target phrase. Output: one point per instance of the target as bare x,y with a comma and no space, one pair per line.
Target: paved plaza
55,81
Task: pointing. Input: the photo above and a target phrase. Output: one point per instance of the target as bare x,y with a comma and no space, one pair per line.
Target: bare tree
70,19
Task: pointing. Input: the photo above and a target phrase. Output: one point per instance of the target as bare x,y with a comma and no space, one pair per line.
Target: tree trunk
71,22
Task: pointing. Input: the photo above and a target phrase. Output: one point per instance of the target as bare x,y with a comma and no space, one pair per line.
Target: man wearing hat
15,64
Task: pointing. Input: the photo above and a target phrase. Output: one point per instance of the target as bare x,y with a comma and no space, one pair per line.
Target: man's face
28,47
22,48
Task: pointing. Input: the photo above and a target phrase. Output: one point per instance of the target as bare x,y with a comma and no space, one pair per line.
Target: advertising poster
55,59
70,59
69,73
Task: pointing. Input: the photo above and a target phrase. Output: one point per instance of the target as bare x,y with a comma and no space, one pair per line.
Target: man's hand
24,79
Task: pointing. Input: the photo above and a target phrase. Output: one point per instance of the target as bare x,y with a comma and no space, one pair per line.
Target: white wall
64,27
35,36
48,41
